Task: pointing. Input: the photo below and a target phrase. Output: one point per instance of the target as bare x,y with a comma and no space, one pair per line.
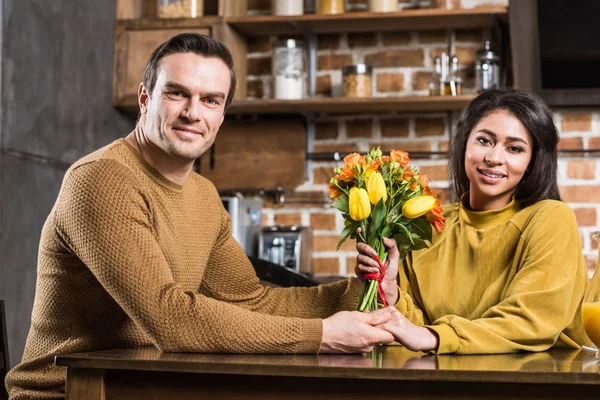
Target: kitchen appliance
290,246
246,217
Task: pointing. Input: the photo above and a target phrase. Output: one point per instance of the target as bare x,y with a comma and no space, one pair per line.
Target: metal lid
487,53
289,43
357,69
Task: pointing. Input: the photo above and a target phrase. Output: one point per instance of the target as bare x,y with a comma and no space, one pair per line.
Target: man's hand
355,332
413,337
366,264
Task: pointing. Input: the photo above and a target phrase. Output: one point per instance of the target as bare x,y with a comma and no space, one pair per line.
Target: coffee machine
246,217
289,246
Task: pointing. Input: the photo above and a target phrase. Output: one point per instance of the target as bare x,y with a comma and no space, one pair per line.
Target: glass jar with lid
357,80
180,8
330,6
487,68
288,61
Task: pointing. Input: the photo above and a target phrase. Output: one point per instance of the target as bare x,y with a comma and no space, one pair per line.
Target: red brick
444,145
420,80
323,85
429,127
259,44
580,194
329,243
259,66
326,130
322,221
576,122
288,219
396,58
466,55
322,175
327,265
435,172
363,39
328,42
594,143
359,128
581,169
350,264
594,241
254,89
391,127
390,82
585,216
395,38
443,195
403,145
570,144
436,36
343,148
333,62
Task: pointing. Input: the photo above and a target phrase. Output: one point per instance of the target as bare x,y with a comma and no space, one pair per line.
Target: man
138,251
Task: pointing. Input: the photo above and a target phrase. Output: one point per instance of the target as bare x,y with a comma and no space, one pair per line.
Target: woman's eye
483,140
515,149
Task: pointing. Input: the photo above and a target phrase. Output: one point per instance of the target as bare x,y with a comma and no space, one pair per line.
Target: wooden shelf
429,18
342,105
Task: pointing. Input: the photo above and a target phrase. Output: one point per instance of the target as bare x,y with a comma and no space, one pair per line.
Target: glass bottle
590,309
434,82
180,8
445,89
487,68
455,79
288,56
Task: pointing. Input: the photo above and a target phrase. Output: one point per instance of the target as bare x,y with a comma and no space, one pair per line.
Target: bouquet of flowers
385,197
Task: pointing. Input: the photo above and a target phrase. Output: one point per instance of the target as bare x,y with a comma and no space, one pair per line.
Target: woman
507,272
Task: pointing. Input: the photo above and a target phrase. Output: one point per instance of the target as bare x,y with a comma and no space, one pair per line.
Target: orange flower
348,172
427,191
408,175
334,191
374,165
400,156
386,159
424,180
436,216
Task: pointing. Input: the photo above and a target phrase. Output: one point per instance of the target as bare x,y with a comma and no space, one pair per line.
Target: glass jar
288,7
487,69
330,6
180,8
288,61
383,5
357,80
447,4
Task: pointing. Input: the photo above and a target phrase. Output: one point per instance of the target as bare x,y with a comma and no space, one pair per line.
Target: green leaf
341,203
346,232
377,218
419,244
386,231
422,227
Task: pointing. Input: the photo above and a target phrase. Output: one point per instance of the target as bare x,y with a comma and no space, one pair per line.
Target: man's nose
192,111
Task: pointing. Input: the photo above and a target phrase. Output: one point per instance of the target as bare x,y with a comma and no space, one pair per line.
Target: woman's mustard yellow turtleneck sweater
128,258
499,281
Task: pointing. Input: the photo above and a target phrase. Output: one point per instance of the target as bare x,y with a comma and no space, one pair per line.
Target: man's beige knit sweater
128,258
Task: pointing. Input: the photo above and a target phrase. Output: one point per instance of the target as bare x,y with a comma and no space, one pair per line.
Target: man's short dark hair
196,43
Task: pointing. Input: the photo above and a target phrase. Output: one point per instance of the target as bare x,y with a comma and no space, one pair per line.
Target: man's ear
143,98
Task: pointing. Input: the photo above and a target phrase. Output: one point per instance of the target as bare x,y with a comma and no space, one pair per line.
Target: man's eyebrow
175,85
510,138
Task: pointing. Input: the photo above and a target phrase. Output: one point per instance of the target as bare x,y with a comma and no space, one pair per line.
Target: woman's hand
413,337
365,264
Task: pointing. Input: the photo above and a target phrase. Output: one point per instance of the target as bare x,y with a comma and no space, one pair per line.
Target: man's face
186,107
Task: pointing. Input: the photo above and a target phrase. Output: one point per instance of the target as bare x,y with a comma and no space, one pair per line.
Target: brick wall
403,64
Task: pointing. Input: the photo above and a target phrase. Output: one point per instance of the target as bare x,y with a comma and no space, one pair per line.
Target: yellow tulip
418,206
376,188
360,208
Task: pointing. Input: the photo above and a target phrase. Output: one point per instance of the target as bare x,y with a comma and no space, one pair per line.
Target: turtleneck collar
487,219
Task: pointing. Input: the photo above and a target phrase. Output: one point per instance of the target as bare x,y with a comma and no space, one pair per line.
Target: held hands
366,264
355,332
413,337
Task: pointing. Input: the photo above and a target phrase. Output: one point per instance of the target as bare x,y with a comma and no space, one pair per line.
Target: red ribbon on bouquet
378,277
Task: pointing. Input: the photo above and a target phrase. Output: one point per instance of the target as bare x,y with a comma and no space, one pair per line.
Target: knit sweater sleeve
539,303
230,277
104,218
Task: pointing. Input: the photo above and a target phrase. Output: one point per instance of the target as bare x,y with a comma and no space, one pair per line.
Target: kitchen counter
389,372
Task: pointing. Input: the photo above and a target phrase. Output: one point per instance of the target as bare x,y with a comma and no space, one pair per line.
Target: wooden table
392,372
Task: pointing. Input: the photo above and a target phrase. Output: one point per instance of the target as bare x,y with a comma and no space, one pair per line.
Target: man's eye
212,101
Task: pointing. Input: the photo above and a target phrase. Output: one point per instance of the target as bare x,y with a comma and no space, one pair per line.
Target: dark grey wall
56,72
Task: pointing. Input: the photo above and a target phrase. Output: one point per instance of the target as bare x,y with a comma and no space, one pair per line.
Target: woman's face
498,153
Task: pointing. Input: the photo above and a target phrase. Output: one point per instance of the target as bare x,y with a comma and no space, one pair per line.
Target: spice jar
288,7
180,8
383,5
330,6
288,56
357,80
